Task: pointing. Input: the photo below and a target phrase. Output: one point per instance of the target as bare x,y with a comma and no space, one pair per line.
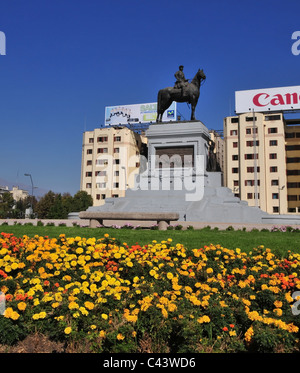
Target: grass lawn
279,242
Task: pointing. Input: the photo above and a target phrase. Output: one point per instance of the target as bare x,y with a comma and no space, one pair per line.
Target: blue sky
68,59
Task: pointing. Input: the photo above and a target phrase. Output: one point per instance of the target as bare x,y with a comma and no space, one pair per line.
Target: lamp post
31,207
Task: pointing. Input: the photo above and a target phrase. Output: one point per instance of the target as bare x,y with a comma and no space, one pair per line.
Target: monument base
176,180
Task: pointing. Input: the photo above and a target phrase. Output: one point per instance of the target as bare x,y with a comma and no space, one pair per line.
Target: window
100,173
89,151
272,117
88,185
116,150
235,157
248,131
103,196
235,170
293,172
234,144
102,139
273,142
293,185
234,120
91,140
274,195
116,161
235,183
101,185
116,185
273,169
273,156
102,150
97,196
293,160
101,162
251,156
273,130
117,138
233,133
274,182
275,209
115,195
249,195
251,169
89,163
88,174
289,135
251,182
252,143
250,119
292,197
292,147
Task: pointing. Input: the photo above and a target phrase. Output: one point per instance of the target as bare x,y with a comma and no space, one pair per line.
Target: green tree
81,201
44,205
6,205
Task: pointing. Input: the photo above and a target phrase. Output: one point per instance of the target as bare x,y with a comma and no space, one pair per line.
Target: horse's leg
193,105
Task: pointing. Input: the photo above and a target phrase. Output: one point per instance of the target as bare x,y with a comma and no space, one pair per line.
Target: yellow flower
120,337
102,334
89,305
209,270
73,305
21,306
278,304
170,275
249,333
104,316
203,319
68,330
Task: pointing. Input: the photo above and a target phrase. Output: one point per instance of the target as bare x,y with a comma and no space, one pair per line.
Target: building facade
262,160
110,161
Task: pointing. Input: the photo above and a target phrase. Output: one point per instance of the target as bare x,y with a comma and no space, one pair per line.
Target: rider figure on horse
181,82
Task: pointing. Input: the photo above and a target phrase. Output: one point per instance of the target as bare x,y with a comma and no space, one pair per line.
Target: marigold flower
68,330
120,337
22,306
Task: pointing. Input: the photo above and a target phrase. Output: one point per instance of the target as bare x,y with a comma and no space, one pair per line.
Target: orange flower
225,329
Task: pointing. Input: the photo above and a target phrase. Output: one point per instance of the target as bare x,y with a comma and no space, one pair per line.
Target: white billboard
269,99
137,113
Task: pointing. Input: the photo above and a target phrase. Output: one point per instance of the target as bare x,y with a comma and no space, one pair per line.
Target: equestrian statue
183,91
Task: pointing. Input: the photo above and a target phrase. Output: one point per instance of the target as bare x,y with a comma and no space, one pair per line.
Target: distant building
262,160
110,161
19,194
4,189
216,137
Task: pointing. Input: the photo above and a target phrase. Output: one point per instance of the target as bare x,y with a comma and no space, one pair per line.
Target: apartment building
262,160
217,138
110,161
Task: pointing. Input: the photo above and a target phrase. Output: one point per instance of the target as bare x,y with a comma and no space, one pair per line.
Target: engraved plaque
174,156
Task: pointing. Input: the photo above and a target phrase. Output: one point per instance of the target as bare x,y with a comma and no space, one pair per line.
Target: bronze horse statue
189,94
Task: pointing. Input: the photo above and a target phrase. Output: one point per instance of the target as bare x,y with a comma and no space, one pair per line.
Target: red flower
225,329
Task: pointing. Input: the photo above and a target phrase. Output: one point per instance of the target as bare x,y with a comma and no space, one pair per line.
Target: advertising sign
137,113
269,99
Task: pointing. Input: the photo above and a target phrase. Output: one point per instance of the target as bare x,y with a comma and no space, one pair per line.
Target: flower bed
160,297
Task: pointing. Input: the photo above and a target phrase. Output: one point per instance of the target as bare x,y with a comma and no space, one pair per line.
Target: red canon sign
264,99
271,99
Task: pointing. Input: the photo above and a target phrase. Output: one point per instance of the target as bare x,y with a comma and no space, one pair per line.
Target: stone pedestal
175,180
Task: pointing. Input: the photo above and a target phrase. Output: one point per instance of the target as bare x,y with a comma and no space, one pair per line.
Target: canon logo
264,99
